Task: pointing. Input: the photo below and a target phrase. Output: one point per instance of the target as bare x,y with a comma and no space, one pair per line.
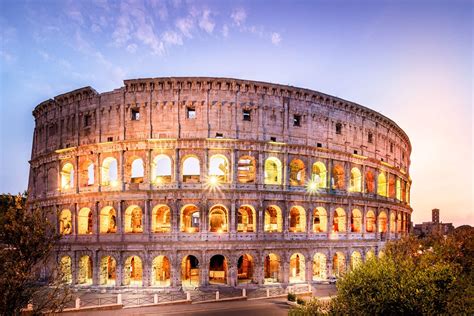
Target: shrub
291,297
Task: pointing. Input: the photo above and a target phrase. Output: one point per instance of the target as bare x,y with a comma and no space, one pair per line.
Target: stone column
285,269
329,174
259,269
364,219
96,225
204,270
77,175
175,218
330,217
309,221
95,267
232,223
177,176
285,175
309,268
285,214
121,169
119,271
147,220
260,177
233,272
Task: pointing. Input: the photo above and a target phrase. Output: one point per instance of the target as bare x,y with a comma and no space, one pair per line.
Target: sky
409,60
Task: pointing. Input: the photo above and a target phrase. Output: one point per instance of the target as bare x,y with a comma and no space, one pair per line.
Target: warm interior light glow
312,186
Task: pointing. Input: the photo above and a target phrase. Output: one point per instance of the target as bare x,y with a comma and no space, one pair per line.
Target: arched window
190,271
65,268
356,180
85,270
272,269
108,271
137,172
161,219
84,221
90,174
297,219
67,176
320,220
319,267
408,193
338,181
65,222
273,219
319,174
393,222
161,271
399,190
370,222
191,170
382,222
399,223
246,221
219,167
133,219
133,271
356,221
338,264
369,182
109,172
356,259
273,171
297,268
246,169
245,269
218,270
297,172
391,186
218,219
190,219
381,184
370,255
161,169
339,222
108,220
87,173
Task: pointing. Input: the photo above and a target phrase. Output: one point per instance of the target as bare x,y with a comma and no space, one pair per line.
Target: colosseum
195,182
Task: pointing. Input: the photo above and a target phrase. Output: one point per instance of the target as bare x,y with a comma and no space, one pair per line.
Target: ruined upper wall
84,117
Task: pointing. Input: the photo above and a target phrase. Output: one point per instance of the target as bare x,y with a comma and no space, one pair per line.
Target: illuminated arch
65,268
190,218
370,255
338,264
84,221
272,269
356,180
319,267
67,176
219,167
370,222
109,172
297,268
246,169
382,184
218,219
339,222
133,271
297,172
218,266
246,219
87,173
161,219
356,259
191,169
393,222
161,271
356,221
399,223
382,222
108,271
133,222
297,218
108,220
190,271
338,177
161,169
65,222
137,172
273,219
85,271
369,182
273,171
320,220
399,190
245,269
319,174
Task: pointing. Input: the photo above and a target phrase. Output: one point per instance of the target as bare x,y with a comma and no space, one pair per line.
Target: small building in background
435,226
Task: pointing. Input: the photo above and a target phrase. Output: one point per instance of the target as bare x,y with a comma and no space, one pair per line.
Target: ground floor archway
190,271
245,268
272,269
218,270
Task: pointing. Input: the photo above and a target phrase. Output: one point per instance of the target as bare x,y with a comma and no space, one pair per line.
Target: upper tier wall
85,117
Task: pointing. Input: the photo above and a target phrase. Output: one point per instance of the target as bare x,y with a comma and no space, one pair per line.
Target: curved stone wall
171,181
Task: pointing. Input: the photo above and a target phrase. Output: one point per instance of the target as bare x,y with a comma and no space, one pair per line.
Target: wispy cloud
225,30
276,38
185,26
172,38
205,22
238,16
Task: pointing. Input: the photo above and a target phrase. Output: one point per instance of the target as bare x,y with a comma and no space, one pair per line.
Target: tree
27,241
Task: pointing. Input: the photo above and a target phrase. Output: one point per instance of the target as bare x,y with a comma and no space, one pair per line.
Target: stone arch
161,169
320,220
356,221
67,176
109,172
245,269
339,222
382,184
161,219
399,189
393,222
87,173
218,219
190,218
356,259
319,267
108,220
65,268
133,271
65,222
356,180
338,264
190,271
161,271
133,221
108,271
369,181
391,186
137,170
85,221
319,174
246,169
246,219
218,269
273,219
191,169
338,177
297,172
273,171
370,221
370,255
297,268
272,269
219,167
399,223
382,222
297,217
85,270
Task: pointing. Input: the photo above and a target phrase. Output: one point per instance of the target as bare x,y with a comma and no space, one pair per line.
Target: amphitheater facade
176,182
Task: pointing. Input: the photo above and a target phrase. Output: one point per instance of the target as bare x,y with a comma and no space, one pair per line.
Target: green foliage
27,239
415,277
291,297
311,307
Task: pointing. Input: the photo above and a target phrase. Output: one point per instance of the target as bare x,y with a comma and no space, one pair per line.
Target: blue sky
409,60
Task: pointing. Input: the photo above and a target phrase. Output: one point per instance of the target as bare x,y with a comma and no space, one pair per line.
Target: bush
300,301
291,297
311,307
